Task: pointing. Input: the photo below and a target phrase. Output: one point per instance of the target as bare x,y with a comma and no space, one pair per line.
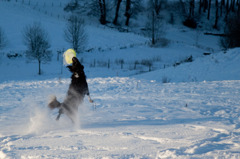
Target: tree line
108,11
219,14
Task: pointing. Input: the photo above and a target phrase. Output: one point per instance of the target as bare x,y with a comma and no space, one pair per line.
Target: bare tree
232,5
217,16
191,8
200,7
75,33
103,12
37,42
209,9
117,10
3,40
222,7
155,7
227,9
128,12
205,5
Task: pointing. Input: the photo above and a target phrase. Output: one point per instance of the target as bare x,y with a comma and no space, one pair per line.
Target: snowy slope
15,17
133,119
188,111
214,67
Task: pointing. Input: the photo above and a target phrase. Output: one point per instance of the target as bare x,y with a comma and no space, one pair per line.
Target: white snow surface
133,119
188,111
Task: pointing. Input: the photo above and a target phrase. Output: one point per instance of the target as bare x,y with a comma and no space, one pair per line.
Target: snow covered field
133,119
188,111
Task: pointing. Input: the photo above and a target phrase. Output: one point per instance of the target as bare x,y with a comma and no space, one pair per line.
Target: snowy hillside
215,67
150,102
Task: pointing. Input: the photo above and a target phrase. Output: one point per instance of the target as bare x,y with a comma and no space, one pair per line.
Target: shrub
165,79
190,22
148,63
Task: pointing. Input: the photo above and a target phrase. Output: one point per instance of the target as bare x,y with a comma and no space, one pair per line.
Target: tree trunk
234,2
205,5
209,9
191,11
193,7
227,10
216,18
157,5
117,10
227,6
238,3
102,6
200,7
232,5
127,13
153,27
39,67
221,7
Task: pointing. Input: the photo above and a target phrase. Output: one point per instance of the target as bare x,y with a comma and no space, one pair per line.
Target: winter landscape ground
187,111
